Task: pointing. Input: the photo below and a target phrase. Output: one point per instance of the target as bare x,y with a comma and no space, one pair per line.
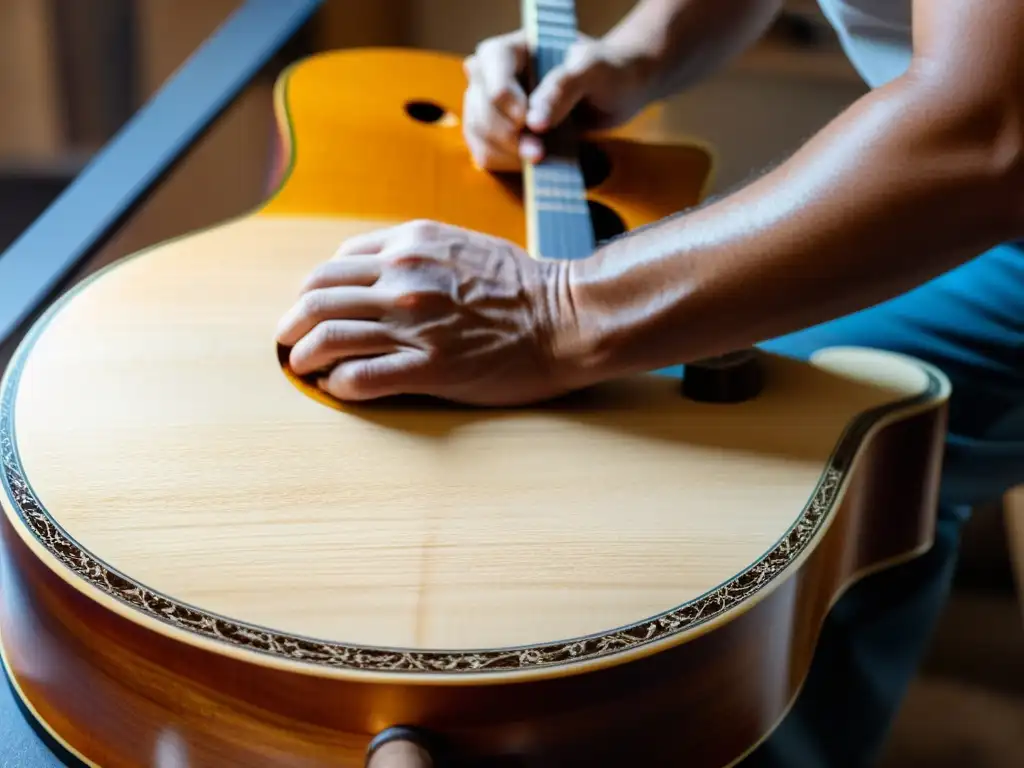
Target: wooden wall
224,173
30,129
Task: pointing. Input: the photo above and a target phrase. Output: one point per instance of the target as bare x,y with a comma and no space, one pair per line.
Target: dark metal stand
122,174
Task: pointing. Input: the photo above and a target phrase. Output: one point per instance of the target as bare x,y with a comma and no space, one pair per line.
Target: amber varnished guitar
208,563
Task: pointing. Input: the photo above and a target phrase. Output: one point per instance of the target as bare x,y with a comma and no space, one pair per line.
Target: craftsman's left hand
430,309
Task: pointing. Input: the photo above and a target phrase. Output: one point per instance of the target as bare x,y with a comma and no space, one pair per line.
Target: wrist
587,331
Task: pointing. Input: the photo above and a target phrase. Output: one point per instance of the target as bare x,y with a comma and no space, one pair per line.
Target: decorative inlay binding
99,575
338,655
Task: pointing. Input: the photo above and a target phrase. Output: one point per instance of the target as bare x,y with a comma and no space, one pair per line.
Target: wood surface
204,558
391,526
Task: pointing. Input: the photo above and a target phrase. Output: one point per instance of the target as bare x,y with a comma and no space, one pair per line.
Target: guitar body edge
114,691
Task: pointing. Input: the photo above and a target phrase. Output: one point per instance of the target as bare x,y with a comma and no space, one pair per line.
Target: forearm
903,186
679,42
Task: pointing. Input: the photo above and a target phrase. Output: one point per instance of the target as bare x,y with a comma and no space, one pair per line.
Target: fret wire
570,179
561,220
557,34
559,46
558,207
563,193
557,17
548,57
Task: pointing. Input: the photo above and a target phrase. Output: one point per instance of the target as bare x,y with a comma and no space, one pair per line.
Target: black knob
730,378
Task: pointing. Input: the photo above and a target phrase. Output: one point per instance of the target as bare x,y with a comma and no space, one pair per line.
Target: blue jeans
970,323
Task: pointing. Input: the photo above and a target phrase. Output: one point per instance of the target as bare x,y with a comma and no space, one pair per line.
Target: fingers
333,341
531,148
322,304
499,61
495,104
492,137
563,88
371,378
491,156
354,270
365,243
360,260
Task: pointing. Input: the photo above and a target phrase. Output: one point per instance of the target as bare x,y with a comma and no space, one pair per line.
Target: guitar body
207,563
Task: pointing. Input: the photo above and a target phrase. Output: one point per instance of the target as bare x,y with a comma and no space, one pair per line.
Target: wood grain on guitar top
203,558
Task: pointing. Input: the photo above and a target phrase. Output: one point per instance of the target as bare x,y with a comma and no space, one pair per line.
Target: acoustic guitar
207,562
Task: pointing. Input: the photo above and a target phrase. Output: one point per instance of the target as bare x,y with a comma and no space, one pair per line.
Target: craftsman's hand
425,308
501,124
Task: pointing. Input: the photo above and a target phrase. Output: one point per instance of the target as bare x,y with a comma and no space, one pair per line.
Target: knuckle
423,229
407,260
314,304
358,379
328,335
416,300
320,275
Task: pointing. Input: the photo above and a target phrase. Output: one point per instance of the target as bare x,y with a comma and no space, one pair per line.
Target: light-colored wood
363,526
391,527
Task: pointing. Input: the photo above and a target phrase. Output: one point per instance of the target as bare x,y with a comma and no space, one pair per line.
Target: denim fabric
968,322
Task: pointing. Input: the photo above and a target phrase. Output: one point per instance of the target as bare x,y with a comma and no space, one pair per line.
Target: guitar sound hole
607,223
425,111
595,164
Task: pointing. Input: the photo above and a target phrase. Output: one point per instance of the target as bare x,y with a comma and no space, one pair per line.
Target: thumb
558,93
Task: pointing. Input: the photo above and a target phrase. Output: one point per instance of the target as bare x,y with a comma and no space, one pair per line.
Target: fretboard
558,216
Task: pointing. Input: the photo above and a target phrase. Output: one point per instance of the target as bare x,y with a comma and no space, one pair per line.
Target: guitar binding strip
344,656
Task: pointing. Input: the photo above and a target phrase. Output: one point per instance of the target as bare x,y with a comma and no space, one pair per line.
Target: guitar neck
558,221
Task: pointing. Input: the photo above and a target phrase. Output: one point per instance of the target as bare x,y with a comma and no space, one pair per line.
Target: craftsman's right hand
501,123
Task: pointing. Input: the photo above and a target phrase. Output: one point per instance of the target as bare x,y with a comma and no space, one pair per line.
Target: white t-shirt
876,35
